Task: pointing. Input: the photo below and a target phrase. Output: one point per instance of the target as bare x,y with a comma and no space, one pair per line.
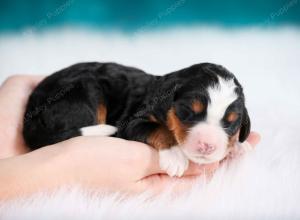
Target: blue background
18,15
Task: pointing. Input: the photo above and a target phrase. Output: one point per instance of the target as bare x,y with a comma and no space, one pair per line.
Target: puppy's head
208,113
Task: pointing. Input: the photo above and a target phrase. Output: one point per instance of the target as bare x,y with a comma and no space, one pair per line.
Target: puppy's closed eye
184,111
190,112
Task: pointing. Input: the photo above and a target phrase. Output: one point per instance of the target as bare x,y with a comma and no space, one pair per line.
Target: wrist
40,170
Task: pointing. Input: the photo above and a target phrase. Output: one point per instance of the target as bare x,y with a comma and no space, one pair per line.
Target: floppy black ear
245,126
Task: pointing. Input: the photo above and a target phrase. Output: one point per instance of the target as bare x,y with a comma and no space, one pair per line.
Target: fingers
31,80
196,169
14,93
36,78
159,183
253,139
17,88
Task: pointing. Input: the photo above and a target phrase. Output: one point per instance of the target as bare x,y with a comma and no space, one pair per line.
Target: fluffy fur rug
265,185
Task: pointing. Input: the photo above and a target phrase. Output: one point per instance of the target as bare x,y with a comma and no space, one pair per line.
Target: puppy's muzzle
205,148
206,143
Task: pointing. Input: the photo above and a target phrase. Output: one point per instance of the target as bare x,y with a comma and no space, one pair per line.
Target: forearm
77,161
32,172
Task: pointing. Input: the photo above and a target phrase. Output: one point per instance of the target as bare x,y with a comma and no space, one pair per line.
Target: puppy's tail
43,137
98,130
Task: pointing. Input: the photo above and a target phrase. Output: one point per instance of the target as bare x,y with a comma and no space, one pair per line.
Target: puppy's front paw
173,161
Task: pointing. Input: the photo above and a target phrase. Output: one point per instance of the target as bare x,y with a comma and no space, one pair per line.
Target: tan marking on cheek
101,114
161,138
232,116
176,127
233,139
197,106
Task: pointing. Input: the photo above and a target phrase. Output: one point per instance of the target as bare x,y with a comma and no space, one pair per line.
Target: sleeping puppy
197,113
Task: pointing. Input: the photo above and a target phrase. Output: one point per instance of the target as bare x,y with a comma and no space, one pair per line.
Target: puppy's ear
245,126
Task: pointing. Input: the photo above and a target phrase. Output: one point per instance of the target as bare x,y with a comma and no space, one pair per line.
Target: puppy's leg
171,158
173,161
98,130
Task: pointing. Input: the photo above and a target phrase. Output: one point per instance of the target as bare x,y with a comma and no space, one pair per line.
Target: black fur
67,101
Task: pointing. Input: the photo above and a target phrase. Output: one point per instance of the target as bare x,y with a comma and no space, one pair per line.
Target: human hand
240,149
100,163
14,93
108,163
120,165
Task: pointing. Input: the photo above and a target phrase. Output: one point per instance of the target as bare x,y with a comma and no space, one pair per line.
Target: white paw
173,161
98,130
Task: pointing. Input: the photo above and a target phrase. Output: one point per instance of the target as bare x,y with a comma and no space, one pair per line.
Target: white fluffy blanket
266,185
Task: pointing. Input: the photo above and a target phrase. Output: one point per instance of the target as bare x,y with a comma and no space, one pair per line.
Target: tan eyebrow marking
197,106
232,116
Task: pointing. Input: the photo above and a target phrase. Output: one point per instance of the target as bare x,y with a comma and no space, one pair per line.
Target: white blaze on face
207,140
221,96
